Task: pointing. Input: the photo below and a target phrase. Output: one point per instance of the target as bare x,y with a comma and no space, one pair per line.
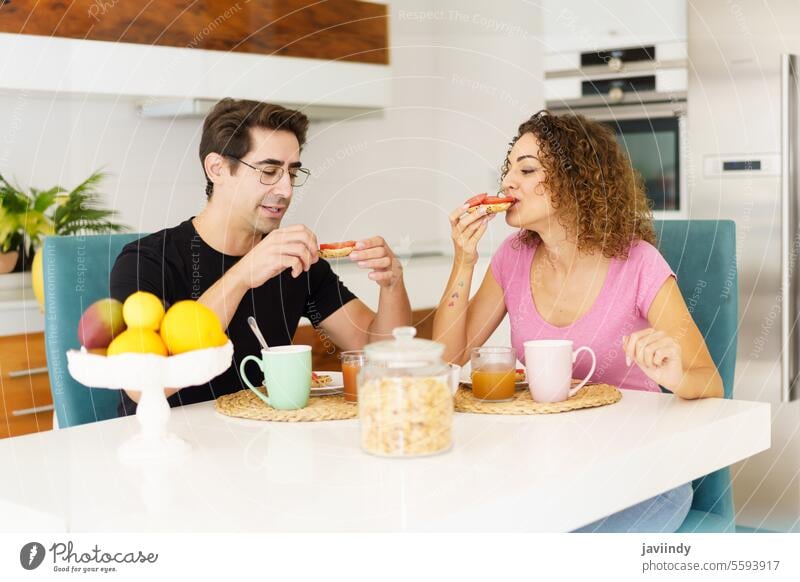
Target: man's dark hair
226,130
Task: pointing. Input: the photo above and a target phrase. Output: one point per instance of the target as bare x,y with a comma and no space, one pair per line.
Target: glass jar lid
405,349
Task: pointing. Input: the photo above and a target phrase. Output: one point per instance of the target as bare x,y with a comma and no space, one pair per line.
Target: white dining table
553,472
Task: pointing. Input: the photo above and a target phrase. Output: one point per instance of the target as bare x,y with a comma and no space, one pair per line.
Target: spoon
251,321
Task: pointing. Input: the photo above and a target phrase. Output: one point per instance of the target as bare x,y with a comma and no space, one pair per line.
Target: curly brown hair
597,194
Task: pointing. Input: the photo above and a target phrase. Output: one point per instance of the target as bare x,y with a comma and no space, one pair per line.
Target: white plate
335,387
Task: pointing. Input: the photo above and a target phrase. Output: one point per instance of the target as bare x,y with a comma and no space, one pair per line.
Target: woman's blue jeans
662,513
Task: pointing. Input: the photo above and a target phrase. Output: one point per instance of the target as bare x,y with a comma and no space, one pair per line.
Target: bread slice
320,380
335,253
492,208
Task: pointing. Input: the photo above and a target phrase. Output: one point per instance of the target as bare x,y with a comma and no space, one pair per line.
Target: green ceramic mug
287,376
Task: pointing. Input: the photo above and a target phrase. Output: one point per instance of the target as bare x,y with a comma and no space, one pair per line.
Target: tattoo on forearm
455,295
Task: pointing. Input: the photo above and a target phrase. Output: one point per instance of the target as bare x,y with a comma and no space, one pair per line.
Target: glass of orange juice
493,371
351,364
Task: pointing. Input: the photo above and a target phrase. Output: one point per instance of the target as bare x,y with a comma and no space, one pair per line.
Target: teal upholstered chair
702,253
76,274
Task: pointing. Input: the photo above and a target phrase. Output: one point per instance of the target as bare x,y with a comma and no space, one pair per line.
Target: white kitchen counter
505,473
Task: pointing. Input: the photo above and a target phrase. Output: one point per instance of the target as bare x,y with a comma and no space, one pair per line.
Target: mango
101,323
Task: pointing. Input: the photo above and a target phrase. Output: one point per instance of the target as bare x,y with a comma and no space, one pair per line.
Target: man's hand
293,247
373,253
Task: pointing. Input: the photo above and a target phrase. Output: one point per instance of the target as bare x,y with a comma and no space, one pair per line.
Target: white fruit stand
150,374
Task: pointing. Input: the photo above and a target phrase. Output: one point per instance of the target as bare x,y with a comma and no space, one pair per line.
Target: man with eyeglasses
235,257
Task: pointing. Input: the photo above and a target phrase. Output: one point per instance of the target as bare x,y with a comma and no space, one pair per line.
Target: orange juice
349,374
493,384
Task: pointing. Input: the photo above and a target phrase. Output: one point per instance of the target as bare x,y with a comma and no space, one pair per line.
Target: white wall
463,76
155,176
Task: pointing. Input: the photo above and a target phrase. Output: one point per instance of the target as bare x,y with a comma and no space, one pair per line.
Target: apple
101,323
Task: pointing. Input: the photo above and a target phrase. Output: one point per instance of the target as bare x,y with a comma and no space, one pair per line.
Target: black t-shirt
176,264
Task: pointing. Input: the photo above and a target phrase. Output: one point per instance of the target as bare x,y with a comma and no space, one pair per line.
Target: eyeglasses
270,175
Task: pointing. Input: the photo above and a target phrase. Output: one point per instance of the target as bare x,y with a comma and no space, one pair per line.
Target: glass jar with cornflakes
405,405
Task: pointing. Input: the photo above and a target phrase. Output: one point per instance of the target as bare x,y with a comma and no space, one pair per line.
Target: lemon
143,310
137,340
189,325
37,277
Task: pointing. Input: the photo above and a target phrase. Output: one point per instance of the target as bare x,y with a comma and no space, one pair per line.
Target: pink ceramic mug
548,364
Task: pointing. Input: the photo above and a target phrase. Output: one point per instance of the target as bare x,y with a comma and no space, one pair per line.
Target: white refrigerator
741,164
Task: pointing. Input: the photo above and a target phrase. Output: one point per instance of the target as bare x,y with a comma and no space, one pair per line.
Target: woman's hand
467,228
657,354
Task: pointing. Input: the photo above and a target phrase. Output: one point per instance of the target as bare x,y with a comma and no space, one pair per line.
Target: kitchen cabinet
579,26
348,30
26,404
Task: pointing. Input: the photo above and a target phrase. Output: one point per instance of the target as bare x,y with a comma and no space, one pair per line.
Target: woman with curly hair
582,266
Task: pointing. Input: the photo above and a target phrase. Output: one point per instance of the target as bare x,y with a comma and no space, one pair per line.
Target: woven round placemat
245,404
587,397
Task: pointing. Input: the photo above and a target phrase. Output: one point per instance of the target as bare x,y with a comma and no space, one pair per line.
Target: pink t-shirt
620,309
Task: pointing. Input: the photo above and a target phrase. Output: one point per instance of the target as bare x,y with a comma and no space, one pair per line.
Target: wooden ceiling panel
347,30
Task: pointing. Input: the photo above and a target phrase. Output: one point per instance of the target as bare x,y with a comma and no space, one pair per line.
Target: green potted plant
74,212
27,217
22,222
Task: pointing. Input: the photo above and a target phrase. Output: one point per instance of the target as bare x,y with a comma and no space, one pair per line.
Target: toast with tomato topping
336,250
492,204
320,380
